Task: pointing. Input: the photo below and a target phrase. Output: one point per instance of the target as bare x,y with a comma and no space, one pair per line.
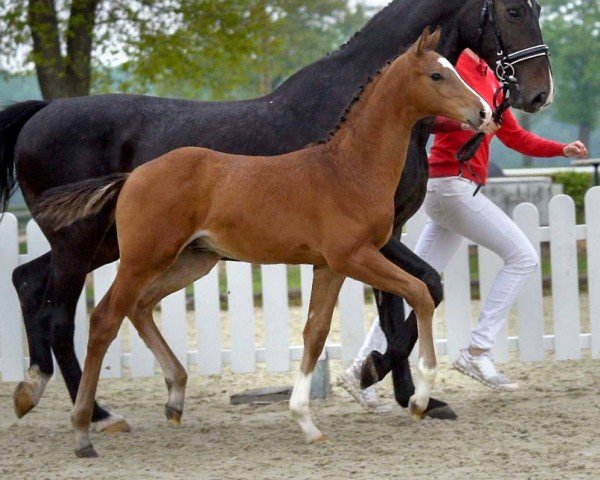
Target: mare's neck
338,76
374,137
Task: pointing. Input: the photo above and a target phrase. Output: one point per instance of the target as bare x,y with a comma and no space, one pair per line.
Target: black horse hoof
440,410
86,452
369,374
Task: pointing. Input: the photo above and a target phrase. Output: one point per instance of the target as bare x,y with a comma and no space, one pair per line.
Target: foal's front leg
325,289
368,265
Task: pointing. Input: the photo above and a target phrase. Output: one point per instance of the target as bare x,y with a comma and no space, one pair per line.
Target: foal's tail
12,119
61,206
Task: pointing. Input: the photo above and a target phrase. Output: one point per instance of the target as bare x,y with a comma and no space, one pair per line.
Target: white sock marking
299,406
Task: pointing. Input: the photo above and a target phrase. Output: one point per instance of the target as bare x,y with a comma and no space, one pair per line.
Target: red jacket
449,139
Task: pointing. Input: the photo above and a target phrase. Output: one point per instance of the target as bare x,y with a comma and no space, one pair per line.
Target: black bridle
505,71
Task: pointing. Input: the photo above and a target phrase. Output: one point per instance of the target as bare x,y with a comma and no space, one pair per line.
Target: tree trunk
47,56
585,134
525,121
59,75
80,35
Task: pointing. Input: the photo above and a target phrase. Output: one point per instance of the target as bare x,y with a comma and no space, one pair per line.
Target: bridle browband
505,71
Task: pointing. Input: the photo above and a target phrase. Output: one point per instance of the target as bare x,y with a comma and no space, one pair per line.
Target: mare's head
509,30
434,87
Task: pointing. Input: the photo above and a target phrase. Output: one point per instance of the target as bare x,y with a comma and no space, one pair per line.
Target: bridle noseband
505,71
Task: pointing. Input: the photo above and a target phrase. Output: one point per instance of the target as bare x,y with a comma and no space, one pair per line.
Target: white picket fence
567,341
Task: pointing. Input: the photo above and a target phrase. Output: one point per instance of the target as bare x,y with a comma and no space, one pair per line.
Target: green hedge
575,184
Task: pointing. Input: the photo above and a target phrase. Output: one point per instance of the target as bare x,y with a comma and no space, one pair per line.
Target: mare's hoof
368,374
86,452
114,423
441,412
321,439
23,399
173,415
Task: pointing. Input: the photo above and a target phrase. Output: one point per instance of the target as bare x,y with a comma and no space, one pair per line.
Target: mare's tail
61,206
12,119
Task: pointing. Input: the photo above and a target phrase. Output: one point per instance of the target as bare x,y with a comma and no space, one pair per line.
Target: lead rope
469,149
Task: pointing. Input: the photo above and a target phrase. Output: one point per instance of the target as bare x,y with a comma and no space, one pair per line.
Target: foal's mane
370,81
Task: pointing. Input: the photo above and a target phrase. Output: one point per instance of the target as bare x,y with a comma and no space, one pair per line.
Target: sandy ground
550,429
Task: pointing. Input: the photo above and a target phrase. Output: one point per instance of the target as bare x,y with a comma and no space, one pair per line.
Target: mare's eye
514,13
436,77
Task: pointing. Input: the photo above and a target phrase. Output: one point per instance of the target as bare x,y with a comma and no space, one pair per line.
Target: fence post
174,324
352,320
592,220
277,318
103,278
11,324
306,278
530,306
489,266
207,305
457,298
565,281
241,315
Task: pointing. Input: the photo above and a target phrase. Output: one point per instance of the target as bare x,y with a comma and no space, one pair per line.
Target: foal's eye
436,77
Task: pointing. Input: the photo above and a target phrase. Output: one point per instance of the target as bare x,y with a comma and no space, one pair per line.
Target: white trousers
454,213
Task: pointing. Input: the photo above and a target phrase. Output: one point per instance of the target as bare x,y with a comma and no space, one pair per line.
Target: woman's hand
488,128
576,150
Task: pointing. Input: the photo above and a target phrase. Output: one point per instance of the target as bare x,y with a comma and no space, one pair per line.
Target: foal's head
434,86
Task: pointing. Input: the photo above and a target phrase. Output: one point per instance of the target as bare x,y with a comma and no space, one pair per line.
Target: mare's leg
368,265
325,289
43,334
402,335
70,265
31,281
190,265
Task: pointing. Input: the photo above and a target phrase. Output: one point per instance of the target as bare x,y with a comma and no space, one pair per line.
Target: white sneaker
482,368
368,398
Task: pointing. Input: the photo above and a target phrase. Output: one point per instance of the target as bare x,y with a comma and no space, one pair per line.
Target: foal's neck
375,135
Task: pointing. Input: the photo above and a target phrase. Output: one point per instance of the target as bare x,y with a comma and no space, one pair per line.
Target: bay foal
330,205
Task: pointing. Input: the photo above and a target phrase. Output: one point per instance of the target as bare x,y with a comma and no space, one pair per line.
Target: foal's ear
427,41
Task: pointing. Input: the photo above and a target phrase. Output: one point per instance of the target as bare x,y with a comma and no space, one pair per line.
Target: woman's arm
446,125
526,143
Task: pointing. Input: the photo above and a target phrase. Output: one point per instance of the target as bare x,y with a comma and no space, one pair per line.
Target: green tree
237,49
226,47
572,30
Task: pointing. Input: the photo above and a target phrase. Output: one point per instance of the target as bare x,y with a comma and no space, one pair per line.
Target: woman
455,213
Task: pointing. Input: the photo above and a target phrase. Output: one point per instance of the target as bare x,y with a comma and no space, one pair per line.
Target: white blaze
486,108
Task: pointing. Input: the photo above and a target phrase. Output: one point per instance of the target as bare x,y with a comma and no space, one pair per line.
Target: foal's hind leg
190,265
325,289
105,321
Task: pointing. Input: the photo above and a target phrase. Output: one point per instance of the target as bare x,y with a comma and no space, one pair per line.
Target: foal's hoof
416,411
368,374
113,424
23,399
440,410
173,415
86,452
320,439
